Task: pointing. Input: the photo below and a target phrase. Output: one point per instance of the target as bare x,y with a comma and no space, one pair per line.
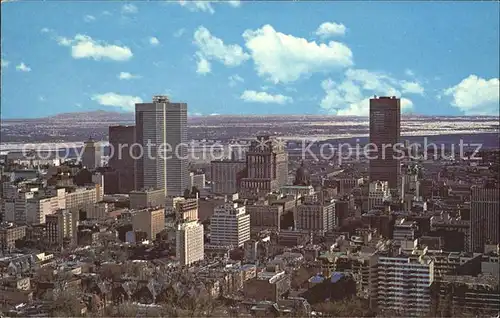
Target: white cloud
23,67
373,81
352,96
129,8
362,108
475,95
41,98
5,63
264,97
213,48
286,58
214,114
409,72
45,30
126,102
83,46
203,6
234,3
203,66
329,29
412,88
179,32
89,18
235,79
127,76
154,41
206,6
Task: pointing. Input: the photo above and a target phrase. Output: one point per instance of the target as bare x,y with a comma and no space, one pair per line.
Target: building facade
121,139
161,127
225,175
485,215
230,225
266,168
385,118
150,221
190,242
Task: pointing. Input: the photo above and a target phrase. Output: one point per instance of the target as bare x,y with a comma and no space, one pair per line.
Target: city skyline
330,64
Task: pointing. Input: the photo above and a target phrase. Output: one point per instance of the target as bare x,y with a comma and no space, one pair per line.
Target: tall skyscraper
161,129
485,215
266,168
121,139
385,117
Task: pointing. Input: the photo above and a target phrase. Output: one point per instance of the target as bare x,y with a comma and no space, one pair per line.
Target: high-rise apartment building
484,218
150,221
266,168
190,243
91,156
400,284
161,129
230,225
225,175
121,139
385,117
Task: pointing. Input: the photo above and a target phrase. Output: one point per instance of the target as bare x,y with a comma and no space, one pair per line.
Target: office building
455,295
77,198
121,139
147,198
39,207
266,168
196,180
190,242
14,210
183,209
91,156
264,216
230,225
378,193
225,175
315,215
385,117
485,216
454,231
161,129
9,234
404,230
150,221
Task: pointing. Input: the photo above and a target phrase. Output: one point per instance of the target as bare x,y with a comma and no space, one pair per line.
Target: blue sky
441,58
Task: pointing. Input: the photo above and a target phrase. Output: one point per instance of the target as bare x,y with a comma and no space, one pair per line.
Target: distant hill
97,115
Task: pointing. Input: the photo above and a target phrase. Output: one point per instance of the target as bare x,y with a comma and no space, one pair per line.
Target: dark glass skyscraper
385,118
121,138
